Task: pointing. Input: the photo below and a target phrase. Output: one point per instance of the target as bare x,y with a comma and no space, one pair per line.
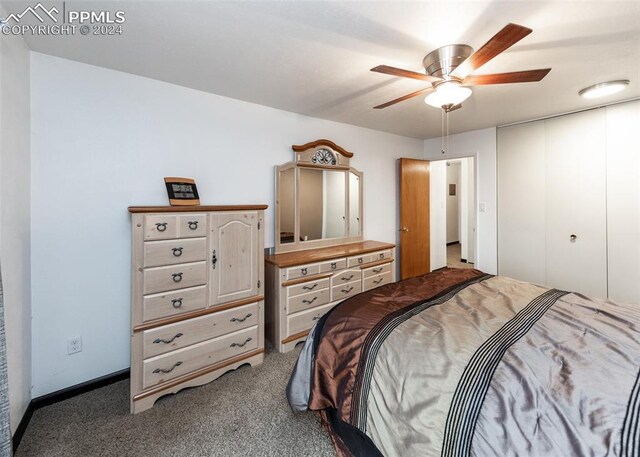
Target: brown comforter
457,362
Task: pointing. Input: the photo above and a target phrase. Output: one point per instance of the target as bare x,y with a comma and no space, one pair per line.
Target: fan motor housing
444,60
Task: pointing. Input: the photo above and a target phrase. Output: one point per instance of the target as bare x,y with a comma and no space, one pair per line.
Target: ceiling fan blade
403,98
528,76
501,41
387,70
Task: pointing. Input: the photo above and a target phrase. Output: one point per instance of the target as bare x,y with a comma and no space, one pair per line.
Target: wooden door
576,222
234,263
414,218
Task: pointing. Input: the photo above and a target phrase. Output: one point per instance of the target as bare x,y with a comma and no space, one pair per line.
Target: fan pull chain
442,113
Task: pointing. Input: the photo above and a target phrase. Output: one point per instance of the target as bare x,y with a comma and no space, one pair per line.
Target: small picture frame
182,191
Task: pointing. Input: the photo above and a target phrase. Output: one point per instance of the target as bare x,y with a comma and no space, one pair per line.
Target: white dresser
197,308
304,285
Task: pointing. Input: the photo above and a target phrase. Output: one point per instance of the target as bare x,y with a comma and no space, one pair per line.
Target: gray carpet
243,413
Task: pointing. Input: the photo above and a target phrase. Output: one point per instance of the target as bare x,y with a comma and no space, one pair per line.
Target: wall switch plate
483,207
74,345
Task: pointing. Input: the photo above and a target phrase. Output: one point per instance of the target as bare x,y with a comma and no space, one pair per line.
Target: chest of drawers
301,286
197,306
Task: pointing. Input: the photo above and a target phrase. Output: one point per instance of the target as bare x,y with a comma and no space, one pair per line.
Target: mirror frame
323,155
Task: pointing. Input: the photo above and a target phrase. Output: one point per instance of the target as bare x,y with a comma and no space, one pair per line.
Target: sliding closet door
521,202
576,226
623,201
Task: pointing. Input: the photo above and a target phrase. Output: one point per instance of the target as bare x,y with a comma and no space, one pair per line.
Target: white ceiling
314,58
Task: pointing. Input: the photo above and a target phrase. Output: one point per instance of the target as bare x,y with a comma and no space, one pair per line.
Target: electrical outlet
74,345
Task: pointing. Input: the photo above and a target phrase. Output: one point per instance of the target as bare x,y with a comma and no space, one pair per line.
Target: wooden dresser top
194,209
290,259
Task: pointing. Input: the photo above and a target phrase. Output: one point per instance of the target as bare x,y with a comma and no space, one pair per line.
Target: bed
458,362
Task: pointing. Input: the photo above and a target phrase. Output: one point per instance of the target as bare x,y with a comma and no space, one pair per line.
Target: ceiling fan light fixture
604,89
448,93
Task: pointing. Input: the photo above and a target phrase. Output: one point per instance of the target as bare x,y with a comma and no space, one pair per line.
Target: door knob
404,229
573,238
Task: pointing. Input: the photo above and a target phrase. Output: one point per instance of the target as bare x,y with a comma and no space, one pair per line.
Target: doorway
453,216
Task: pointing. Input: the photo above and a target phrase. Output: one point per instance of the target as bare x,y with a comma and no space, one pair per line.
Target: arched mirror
318,198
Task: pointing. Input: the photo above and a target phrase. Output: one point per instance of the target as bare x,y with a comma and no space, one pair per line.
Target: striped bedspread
459,363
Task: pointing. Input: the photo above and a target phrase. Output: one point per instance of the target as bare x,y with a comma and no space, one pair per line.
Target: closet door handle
177,252
214,259
177,277
161,370
158,341
573,238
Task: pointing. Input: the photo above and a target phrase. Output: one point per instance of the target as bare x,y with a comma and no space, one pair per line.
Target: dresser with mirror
321,257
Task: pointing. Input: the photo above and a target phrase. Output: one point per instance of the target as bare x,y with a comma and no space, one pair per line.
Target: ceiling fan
449,69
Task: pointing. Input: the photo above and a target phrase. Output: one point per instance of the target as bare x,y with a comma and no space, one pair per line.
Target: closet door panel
576,203
521,202
623,201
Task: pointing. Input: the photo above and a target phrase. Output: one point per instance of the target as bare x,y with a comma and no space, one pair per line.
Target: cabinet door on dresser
234,262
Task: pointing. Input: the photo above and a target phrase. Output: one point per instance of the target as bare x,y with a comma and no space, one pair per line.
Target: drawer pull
359,259
378,281
308,302
176,303
303,271
177,277
310,287
161,226
160,370
334,265
315,318
239,345
346,291
378,270
347,279
158,341
177,251
241,319
193,225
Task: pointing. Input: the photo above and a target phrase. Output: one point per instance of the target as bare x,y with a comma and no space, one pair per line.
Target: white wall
103,140
480,144
15,218
438,213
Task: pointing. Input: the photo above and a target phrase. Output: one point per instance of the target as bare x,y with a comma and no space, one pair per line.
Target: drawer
192,225
358,260
342,291
379,269
302,271
171,303
161,279
346,276
306,301
160,227
300,322
182,361
381,255
375,281
175,336
334,265
307,287
170,252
